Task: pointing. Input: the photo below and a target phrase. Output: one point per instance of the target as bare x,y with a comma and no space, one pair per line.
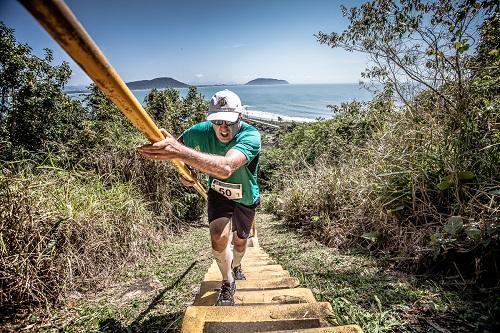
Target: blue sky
204,42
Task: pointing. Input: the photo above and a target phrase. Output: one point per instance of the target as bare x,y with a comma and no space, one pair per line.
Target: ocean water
290,101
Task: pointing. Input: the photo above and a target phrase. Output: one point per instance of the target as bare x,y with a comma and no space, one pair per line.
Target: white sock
237,256
224,259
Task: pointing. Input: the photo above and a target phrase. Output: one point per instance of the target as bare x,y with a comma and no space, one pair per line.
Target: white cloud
199,75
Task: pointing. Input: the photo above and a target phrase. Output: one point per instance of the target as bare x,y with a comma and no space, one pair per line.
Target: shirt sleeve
249,145
185,138
191,137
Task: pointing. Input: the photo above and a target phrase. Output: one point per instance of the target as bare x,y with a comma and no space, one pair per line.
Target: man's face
225,132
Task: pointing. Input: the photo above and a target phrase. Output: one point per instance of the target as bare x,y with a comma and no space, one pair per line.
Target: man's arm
217,166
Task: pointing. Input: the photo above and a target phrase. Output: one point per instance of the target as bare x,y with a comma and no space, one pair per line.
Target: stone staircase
270,300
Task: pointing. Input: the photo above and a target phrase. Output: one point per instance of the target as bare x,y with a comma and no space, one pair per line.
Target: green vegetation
77,203
411,177
413,174
374,294
58,226
150,296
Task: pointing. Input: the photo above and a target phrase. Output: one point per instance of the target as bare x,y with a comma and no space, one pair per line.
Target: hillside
266,81
159,82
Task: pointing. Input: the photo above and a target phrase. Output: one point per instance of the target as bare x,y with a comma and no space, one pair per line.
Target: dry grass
383,195
64,231
117,161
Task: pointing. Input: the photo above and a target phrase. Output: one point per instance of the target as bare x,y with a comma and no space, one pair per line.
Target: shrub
421,182
329,140
173,112
115,157
34,113
398,193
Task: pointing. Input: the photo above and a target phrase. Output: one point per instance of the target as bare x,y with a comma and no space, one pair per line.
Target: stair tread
256,317
261,269
331,329
274,283
250,276
254,297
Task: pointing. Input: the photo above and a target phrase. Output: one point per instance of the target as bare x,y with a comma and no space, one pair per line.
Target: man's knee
219,227
237,240
219,233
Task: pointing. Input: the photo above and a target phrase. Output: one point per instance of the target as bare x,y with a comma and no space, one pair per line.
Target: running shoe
226,295
238,273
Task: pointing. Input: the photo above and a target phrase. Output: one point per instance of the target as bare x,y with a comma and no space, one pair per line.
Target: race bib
229,190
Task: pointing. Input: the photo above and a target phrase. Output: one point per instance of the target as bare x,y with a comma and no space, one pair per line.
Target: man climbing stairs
269,300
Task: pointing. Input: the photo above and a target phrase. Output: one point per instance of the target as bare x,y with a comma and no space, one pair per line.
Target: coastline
273,117
292,103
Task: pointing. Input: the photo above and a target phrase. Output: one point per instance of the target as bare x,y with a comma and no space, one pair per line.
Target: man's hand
216,166
166,149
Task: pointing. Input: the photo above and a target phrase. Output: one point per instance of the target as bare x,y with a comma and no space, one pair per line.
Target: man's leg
220,232
240,246
220,235
242,223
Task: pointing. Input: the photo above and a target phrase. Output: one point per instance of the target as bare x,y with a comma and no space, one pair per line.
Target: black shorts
241,215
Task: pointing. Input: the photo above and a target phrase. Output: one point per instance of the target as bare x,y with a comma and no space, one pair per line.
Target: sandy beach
268,116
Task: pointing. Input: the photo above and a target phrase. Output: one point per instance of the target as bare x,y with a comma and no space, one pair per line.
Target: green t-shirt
202,137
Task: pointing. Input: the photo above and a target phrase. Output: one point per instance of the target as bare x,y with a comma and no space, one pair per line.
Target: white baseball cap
225,105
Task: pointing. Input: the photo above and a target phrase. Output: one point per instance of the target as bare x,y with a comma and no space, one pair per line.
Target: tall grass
66,226
63,231
116,160
410,188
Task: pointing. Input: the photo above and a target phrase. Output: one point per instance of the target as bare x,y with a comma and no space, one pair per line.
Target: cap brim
223,115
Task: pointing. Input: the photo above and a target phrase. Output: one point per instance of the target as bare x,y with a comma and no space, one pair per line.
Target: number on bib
229,190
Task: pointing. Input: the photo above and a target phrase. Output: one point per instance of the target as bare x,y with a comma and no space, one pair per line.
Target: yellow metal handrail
64,27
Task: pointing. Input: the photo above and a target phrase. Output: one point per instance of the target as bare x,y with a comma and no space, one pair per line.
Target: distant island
168,82
266,81
158,83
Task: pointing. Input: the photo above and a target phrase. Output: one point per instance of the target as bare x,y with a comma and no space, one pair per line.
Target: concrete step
333,329
255,250
254,297
260,269
255,318
250,260
255,253
251,275
257,262
256,257
274,283
256,267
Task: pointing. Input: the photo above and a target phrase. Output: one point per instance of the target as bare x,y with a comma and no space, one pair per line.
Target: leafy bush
77,203
173,112
115,155
34,113
302,145
422,183
395,194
